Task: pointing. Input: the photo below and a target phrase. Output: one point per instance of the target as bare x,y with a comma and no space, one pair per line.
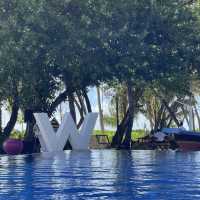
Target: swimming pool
101,174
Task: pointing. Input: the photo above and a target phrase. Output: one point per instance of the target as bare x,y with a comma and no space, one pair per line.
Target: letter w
51,141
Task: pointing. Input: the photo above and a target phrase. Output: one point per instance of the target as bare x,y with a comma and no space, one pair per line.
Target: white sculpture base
51,141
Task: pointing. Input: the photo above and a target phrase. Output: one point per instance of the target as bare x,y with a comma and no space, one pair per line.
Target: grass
17,134
136,134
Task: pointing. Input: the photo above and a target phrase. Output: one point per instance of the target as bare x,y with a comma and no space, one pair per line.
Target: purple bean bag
13,146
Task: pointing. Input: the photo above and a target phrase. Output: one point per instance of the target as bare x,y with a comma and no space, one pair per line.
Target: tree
149,43
44,44
161,114
84,43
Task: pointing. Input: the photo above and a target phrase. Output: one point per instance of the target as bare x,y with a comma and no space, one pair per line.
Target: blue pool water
101,175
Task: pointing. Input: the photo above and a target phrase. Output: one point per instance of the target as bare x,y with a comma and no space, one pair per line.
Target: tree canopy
79,44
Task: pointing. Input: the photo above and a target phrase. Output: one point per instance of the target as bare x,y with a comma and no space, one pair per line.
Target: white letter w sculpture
51,141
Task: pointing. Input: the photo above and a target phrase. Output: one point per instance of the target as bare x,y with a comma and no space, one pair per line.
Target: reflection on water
100,175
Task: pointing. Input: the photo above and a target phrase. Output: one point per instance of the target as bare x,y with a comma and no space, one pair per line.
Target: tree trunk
30,144
60,112
125,127
0,118
62,97
29,133
193,116
160,121
171,113
72,107
118,137
100,110
13,118
169,123
81,112
117,110
124,104
81,102
185,115
198,117
87,101
127,140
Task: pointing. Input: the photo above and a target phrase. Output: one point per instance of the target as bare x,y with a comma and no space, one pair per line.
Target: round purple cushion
13,146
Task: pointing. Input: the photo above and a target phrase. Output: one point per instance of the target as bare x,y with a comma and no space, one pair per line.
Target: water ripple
100,175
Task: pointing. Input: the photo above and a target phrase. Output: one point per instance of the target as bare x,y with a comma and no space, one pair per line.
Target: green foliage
136,134
47,42
109,120
84,43
118,95
23,57
17,134
152,41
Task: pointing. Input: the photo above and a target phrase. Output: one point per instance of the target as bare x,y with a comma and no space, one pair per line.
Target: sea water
101,174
